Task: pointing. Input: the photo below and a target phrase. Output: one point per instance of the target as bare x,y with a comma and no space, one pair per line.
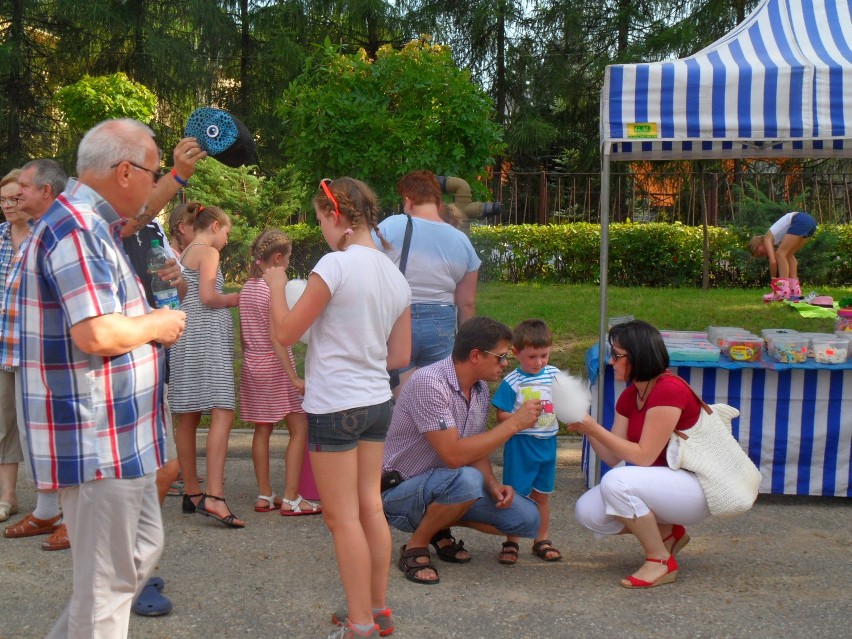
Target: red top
668,391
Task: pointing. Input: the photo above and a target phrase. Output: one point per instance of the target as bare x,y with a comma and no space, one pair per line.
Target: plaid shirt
431,400
10,280
87,416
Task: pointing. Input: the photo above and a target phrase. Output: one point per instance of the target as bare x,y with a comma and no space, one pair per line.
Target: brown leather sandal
509,553
409,565
449,552
544,549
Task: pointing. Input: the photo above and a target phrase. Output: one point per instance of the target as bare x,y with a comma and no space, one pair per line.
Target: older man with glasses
437,471
93,360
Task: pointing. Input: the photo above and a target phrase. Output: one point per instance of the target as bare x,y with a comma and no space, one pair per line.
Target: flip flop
151,603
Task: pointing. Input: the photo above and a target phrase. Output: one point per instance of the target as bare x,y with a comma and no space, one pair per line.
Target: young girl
357,306
202,364
789,234
270,390
180,233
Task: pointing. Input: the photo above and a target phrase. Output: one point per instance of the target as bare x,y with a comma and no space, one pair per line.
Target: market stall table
795,419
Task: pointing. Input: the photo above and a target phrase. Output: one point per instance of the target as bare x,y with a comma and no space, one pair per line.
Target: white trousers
116,534
674,496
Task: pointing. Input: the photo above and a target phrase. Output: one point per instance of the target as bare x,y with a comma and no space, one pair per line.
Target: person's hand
527,415
186,154
170,272
584,427
170,325
275,278
299,384
502,494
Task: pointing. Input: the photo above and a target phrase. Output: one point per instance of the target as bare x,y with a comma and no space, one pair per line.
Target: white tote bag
728,476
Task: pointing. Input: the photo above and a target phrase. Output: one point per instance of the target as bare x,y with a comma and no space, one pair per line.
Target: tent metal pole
602,326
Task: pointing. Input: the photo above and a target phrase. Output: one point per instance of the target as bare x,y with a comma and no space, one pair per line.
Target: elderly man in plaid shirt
92,372
438,449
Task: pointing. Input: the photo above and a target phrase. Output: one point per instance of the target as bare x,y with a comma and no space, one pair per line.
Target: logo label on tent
642,130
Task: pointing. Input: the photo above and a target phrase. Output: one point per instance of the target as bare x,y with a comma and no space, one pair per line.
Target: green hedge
656,255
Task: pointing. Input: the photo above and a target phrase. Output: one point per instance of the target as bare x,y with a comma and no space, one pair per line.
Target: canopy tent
778,85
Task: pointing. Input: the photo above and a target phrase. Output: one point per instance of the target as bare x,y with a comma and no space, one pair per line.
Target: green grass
573,311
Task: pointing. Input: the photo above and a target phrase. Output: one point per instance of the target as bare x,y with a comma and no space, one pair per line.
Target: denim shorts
341,431
802,225
433,331
405,505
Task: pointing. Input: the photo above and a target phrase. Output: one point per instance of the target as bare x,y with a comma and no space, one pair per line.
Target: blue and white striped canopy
779,85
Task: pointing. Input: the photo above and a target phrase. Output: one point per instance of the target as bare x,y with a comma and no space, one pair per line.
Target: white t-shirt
345,366
780,228
439,257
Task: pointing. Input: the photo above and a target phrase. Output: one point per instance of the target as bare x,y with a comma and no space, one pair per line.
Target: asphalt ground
782,570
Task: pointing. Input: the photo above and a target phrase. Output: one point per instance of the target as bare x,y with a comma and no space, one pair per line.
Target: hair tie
348,232
201,209
257,262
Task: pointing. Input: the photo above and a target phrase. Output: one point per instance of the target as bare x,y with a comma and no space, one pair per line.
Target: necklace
648,386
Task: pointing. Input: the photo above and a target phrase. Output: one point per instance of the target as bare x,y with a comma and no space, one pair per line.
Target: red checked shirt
431,400
88,417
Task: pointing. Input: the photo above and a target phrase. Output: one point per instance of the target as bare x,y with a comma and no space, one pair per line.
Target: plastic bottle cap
155,243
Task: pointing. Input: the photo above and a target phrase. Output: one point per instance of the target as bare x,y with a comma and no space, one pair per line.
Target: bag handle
704,404
406,244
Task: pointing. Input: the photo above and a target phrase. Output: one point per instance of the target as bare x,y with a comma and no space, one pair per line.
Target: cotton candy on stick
571,398
293,291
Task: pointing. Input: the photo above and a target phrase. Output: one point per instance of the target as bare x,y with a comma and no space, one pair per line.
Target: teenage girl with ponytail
357,305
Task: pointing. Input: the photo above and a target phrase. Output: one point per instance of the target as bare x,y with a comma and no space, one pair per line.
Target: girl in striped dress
202,364
270,389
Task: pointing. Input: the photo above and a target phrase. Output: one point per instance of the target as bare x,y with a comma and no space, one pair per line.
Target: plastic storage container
811,337
844,320
684,336
833,351
692,351
713,332
723,340
745,349
770,334
790,350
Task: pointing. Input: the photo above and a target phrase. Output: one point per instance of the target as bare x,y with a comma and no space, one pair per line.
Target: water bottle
165,293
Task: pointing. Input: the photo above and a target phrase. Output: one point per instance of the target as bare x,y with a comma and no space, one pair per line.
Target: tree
376,120
91,100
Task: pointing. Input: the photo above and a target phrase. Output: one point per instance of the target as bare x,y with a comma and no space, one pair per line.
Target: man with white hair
93,392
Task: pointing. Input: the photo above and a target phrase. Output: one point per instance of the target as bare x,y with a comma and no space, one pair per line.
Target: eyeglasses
324,184
155,174
11,201
503,358
617,356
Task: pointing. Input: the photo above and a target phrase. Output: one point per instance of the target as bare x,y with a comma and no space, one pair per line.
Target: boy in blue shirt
529,457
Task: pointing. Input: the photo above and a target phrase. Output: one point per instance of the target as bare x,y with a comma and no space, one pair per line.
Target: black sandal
409,565
511,549
450,551
229,520
187,506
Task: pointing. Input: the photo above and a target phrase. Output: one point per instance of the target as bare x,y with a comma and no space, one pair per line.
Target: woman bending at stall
643,496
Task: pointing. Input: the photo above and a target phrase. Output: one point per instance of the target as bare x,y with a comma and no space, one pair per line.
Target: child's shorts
802,225
529,463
